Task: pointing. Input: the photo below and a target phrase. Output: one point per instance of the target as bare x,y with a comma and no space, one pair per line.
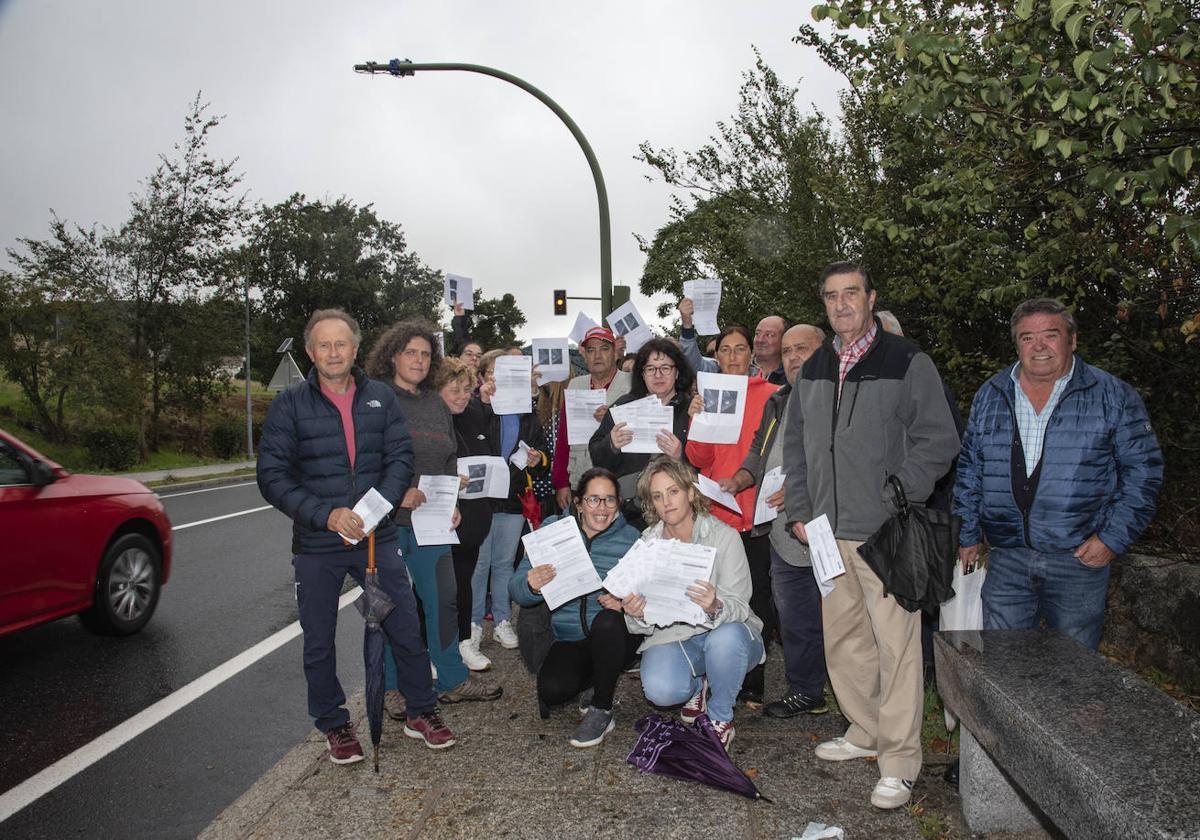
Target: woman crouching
683,662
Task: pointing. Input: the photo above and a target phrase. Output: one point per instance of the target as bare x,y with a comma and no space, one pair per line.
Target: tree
495,321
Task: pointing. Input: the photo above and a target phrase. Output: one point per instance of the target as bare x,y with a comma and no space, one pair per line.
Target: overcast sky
484,179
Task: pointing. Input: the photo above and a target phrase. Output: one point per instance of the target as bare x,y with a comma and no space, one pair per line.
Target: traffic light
560,301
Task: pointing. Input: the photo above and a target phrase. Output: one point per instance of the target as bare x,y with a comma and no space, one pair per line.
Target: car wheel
127,587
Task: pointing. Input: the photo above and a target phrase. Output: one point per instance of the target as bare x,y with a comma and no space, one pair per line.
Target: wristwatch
718,608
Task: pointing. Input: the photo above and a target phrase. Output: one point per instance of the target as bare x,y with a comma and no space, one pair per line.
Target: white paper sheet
768,487
581,413
676,566
371,509
431,521
487,477
520,456
826,559
458,289
514,378
706,295
561,545
724,407
627,321
552,357
624,578
645,418
710,488
583,323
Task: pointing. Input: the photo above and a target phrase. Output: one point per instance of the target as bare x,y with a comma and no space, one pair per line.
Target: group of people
1057,471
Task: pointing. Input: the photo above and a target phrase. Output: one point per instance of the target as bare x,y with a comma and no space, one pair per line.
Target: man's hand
346,522
619,346
775,500
687,311
459,309
968,557
1094,554
600,412
737,482
535,457
620,436
413,498
801,534
563,497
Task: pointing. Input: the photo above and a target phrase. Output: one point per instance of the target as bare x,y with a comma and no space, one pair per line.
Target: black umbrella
693,753
374,604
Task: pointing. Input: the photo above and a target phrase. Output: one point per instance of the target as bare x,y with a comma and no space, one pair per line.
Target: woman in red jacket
721,460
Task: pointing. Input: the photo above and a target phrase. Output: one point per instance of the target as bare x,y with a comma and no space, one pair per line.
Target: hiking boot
595,725
431,729
891,792
697,706
839,749
472,688
725,731
343,745
504,634
393,704
468,649
796,703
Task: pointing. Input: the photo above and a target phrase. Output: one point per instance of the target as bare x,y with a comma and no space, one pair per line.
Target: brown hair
679,472
332,315
394,340
451,370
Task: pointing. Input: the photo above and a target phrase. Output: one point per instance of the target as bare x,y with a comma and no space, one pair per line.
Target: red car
95,545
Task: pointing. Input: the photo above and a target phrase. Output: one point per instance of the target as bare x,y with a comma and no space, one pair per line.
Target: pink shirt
343,402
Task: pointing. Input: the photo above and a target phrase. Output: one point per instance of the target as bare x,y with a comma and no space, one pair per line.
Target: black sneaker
796,703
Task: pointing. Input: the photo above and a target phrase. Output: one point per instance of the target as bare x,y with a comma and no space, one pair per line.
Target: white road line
206,490
39,785
219,518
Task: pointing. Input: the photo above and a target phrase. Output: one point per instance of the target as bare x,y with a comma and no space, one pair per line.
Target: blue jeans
432,573
496,557
798,603
671,672
1023,586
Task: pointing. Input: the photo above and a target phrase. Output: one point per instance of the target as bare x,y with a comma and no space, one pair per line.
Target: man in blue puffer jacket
325,443
1060,472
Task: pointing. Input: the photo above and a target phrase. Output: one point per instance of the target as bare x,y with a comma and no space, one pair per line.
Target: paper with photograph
581,413
645,418
626,321
487,477
706,296
552,358
431,520
458,289
583,323
724,406
514,378
561,545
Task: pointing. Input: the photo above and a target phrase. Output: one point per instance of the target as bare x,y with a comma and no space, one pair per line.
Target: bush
228,438
112,448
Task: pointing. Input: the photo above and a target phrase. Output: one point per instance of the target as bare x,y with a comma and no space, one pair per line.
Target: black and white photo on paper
729,402
712,400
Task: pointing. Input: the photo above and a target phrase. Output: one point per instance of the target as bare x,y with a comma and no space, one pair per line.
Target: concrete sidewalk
189,474
513,775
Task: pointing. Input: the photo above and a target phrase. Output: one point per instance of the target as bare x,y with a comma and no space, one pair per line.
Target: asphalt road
61,687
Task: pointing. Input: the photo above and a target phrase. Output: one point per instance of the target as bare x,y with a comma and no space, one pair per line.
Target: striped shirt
1031,424
848,356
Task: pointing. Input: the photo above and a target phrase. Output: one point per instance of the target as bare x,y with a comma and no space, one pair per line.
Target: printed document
645,418
431,521
706,295
561,545
822,546
371,509
581,413
771,483
677,566
514,377
710,488
724,407
487,477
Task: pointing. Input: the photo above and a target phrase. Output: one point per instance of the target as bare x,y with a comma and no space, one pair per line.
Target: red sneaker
697,706
724,730
343,745
431,729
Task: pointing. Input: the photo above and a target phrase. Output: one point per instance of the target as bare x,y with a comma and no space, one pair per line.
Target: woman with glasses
683,662
659,370
591,642
719,461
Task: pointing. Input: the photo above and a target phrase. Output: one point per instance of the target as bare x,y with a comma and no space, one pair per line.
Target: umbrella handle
371,552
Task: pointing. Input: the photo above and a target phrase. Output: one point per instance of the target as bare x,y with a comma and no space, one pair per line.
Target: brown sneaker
343,745
431,729
474,687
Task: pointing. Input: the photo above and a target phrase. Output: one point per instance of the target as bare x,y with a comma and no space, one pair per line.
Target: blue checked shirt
1030,423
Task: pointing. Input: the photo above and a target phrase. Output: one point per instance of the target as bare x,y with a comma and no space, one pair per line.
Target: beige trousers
873,652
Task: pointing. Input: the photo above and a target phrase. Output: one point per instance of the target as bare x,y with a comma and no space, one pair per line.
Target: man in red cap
599,348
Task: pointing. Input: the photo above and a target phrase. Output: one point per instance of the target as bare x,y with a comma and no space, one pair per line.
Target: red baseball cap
602,333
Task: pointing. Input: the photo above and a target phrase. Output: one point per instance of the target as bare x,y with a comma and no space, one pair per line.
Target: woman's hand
533,381
668,444
463,481
539,576
535,457
704,595
459,309
455,519
634,604
620,436
695,406
487,389
609,602
413,499
600,412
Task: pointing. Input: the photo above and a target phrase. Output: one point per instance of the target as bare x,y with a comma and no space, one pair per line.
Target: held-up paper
625,320
581,413
706,295
514,376
561,545
582,324
487,477
645,418
710,488
724,406
431,521
458,289
552,359
768,487
371,509
520,456
826,559
677,566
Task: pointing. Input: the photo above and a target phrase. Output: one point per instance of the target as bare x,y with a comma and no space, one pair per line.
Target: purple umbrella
693,753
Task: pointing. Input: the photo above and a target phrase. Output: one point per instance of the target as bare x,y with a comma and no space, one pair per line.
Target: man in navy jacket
1060,472
325,443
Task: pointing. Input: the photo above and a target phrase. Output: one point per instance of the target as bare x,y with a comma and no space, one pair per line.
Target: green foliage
228,437
111,447
495,321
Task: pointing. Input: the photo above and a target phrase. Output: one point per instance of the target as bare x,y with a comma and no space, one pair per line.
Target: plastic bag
964,611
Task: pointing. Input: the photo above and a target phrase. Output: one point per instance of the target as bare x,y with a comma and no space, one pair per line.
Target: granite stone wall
1154,614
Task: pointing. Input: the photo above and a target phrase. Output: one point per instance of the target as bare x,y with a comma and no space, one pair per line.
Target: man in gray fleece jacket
866,406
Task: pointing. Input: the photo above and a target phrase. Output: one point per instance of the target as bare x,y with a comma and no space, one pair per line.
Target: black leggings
596,661
465,558
758,556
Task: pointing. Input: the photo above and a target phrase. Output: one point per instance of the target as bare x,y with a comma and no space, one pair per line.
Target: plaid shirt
848,356
1030,423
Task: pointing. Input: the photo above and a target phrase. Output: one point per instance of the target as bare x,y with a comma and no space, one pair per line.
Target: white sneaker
505,635
471,657
891,792
839,749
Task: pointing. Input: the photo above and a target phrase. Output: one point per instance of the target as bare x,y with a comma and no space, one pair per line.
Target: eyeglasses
658,370
609,502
